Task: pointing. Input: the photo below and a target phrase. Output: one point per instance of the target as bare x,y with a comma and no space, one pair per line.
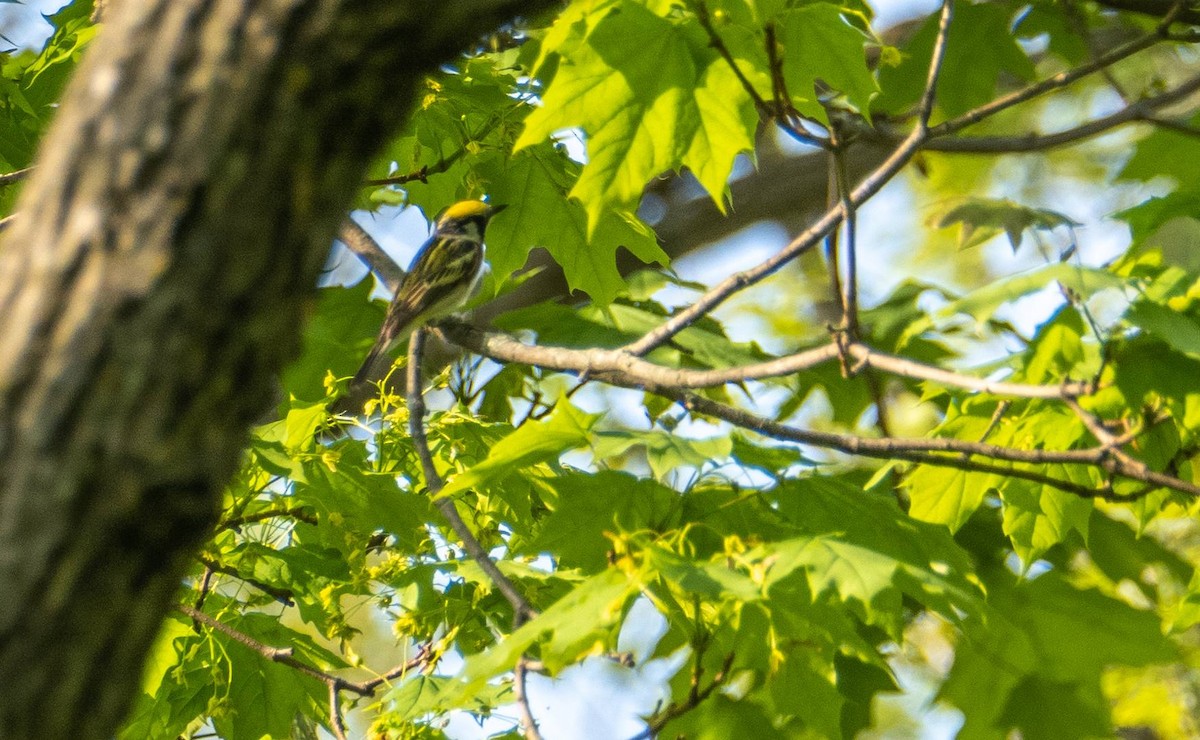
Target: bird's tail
364,385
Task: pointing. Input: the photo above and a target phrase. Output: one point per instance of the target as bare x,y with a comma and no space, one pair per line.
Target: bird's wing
417,298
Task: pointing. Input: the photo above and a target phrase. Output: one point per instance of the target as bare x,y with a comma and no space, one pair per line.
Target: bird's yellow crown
465,209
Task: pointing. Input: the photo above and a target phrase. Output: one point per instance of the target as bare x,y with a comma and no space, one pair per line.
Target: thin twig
850,320
929,95
433,481
422,173
779,89
1058,81
535,400
997,415
838,180
528,723
1174,9
284,656
1107,440
279,594
832,247
866,189
11,177
337,722
700,9
766,111
425,657
299,513
584,380
930,451
888,447
204,588
789,120
1179,127
1079,22
1140,111
879,397
696,695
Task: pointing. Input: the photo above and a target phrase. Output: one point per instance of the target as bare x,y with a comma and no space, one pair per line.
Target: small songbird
442,277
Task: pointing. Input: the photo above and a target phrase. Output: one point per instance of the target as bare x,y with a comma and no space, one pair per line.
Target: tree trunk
150,289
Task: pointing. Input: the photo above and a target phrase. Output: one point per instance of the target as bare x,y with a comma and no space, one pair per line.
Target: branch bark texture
154,284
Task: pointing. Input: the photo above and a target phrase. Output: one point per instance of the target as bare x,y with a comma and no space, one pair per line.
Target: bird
443,276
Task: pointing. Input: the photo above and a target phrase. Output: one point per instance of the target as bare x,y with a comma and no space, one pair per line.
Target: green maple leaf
572,627
946,496
980,48
565,429
651,95
1037,517
533,184
820,45
983,218
1044,641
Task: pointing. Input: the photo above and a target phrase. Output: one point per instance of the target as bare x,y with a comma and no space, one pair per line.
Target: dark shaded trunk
150,289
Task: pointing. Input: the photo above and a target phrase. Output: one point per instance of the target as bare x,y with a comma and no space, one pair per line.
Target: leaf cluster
1016,465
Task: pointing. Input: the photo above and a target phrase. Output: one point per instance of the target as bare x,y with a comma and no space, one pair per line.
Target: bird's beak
493,210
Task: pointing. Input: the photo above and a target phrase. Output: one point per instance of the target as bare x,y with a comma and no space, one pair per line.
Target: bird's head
466,218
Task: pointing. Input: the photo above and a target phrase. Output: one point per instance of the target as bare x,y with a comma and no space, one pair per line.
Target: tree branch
766,111
1173,9
938,57
433,481
286,656
1179,127
928,451
442,165
839,193
364,246
603,363
337,722
426,656
618,368
204,587
1108,441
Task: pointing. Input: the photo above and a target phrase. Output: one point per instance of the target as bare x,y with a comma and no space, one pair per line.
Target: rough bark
150,290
